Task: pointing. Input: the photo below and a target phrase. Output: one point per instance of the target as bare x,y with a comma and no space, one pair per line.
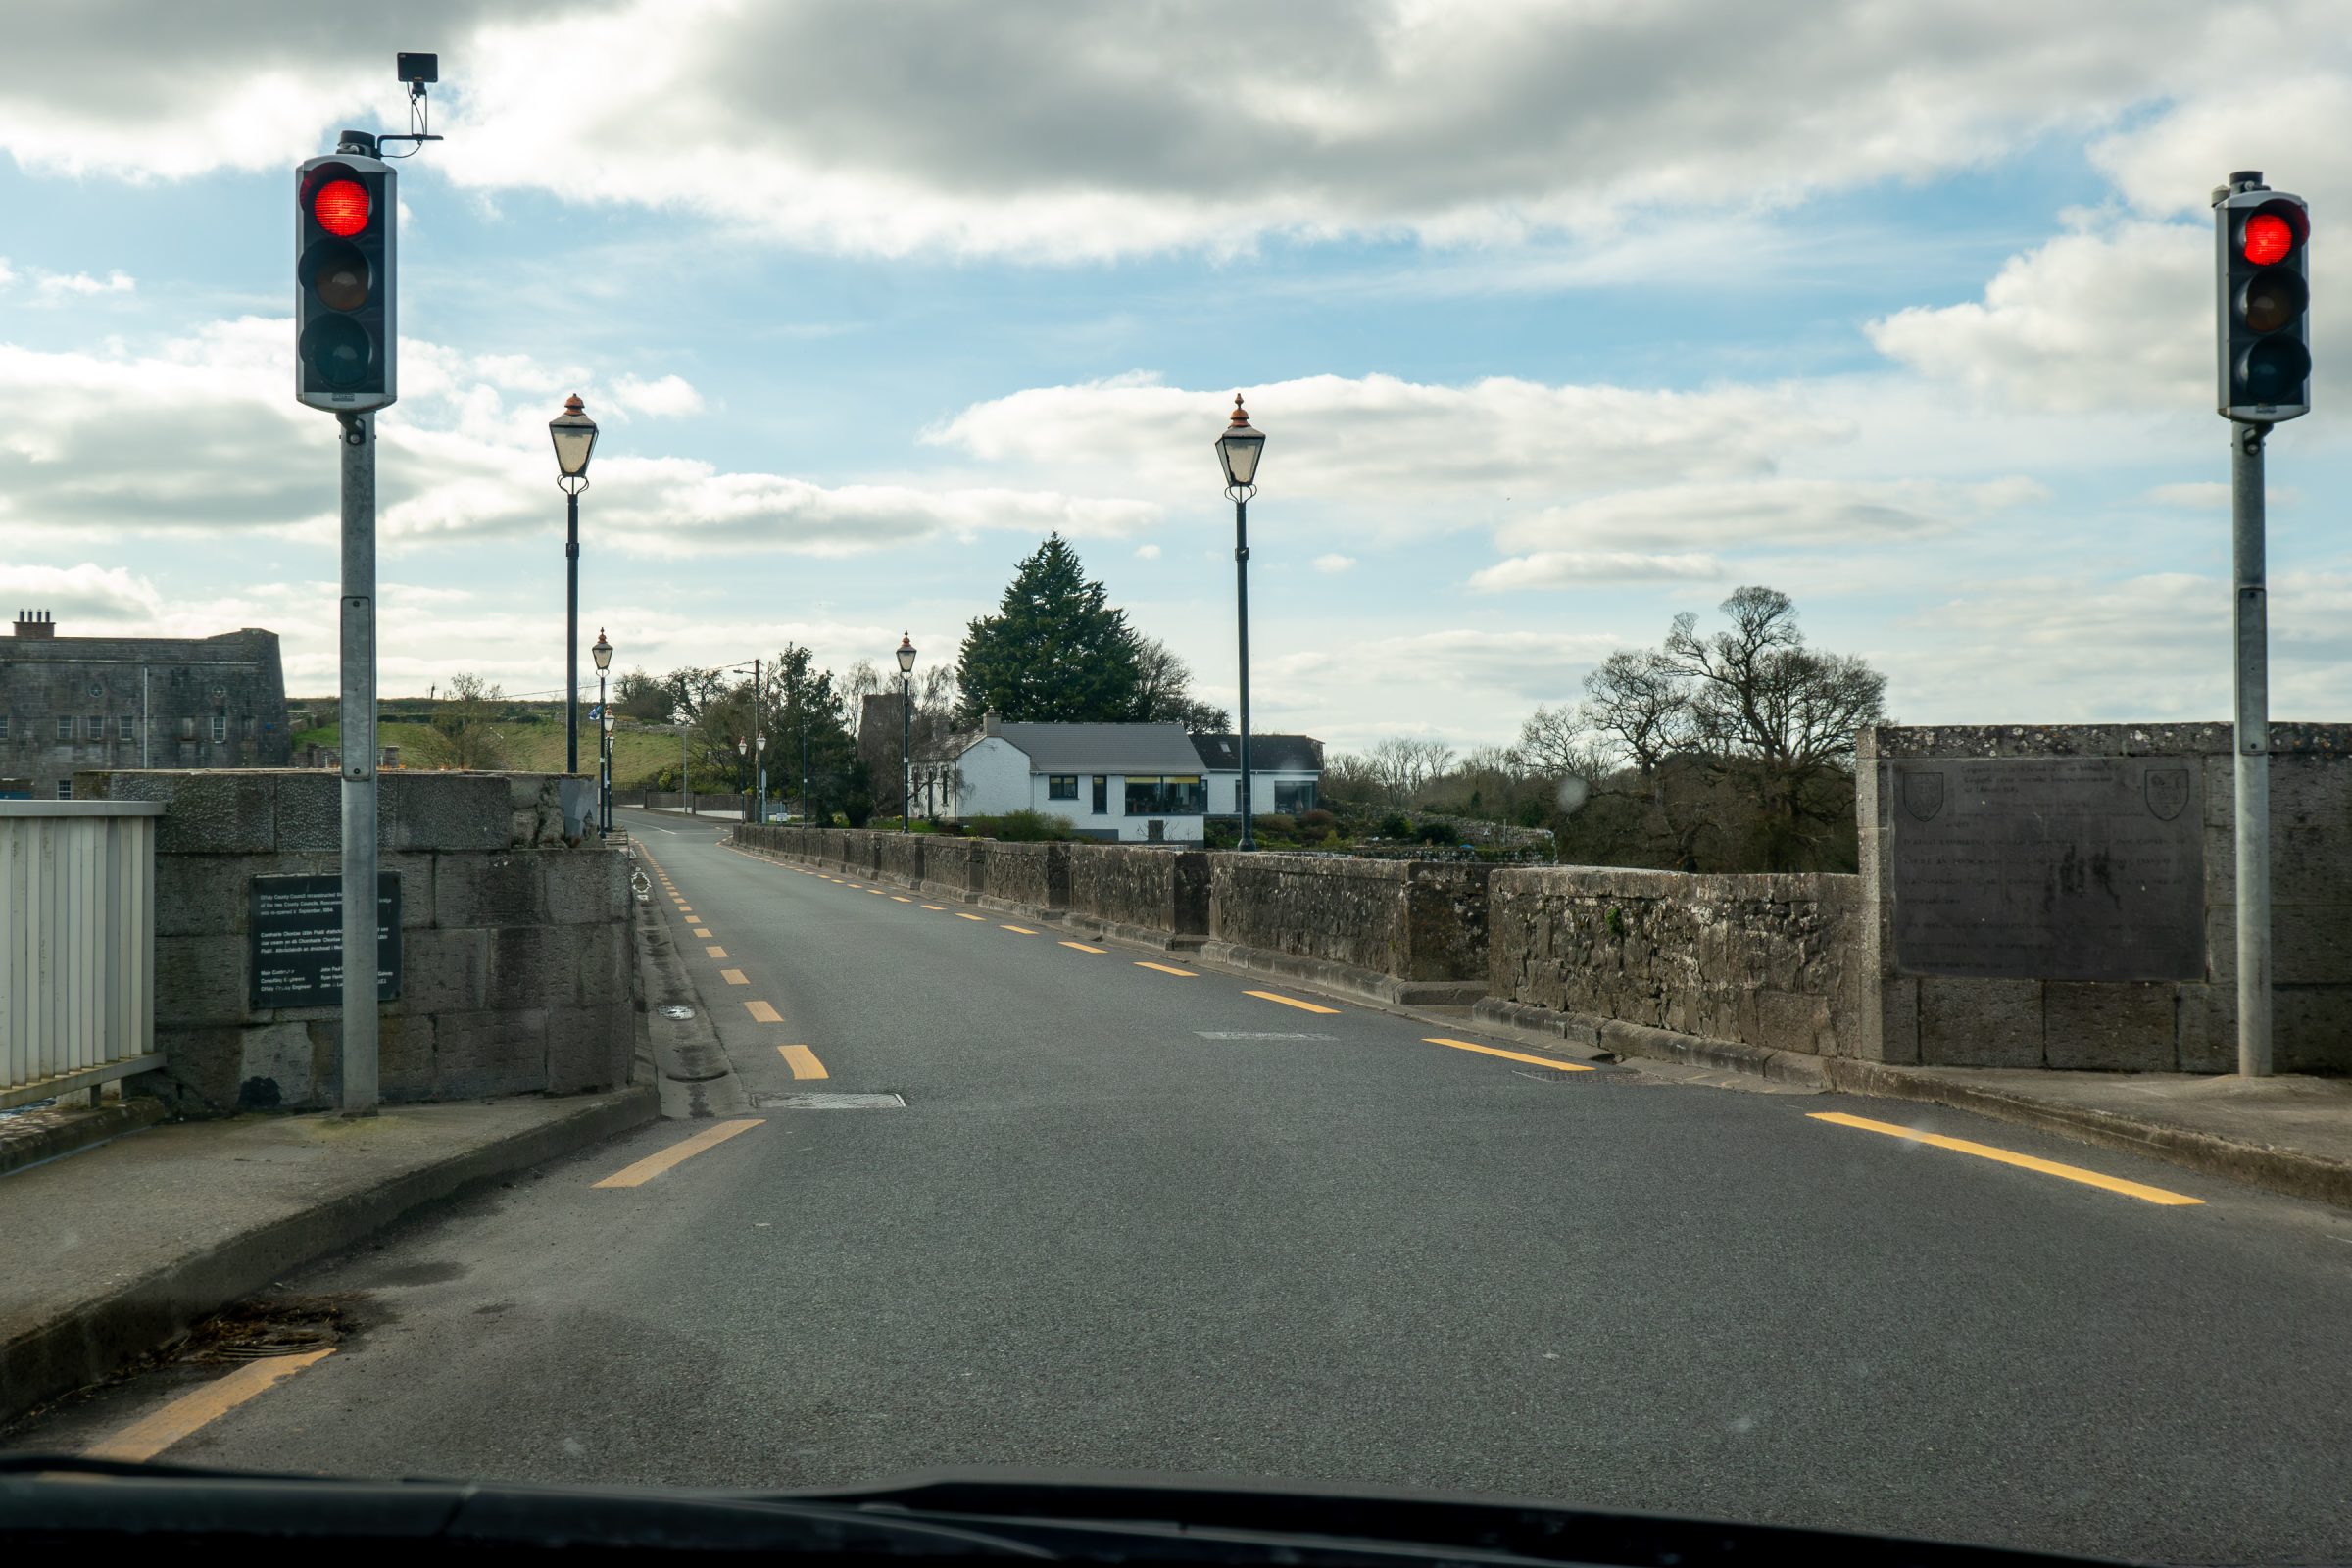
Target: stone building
68,702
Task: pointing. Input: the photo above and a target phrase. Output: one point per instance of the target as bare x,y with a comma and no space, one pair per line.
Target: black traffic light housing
2263,266
346,280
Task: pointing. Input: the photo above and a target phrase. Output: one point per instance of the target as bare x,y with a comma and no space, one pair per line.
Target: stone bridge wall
1163,893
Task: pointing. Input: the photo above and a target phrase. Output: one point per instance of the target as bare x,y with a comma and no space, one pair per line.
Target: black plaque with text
297,944
2051,868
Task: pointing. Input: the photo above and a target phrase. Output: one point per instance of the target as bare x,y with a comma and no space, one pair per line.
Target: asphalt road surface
1140,1219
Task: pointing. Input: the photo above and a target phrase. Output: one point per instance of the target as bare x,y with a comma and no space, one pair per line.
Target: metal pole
905,752
604,762
146,720
2251,620
685,795
1241,592
571,632
803,702
357,718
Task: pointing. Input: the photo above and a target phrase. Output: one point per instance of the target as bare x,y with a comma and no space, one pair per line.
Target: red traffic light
341,207
2268,237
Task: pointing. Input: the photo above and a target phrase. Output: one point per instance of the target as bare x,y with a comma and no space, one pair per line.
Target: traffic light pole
2250,621
357,718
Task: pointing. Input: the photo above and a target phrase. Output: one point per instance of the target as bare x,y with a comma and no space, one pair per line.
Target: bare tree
1403,765
1165,692
1638,705
466,723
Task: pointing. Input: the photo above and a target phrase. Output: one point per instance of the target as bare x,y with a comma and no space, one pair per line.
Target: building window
65,726
1102,796
3,726
220,728
1295,799
64,789
126,728
97,726
1176,795
1061,786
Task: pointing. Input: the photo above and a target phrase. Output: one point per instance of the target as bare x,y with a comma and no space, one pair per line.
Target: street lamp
607,770
602,652
743,786
1238,449
906,731
574,436
759,745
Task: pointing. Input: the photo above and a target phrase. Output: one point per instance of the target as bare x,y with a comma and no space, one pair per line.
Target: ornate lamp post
607,770
906,732
602,652
574,436
1238,449
743,783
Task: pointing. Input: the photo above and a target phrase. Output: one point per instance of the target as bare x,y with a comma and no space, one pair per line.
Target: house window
3,726
1176,795
1102,796
126,728
64,789
65,726
1295,799
97,726
1061,786
220,728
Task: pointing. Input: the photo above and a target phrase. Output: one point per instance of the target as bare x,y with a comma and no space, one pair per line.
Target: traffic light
2265,295
345,282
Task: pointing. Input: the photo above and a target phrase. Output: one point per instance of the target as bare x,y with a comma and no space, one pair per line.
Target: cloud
107,595
1334,563
1581,568
1146,551
56,287
1775,511
1033,128
669,397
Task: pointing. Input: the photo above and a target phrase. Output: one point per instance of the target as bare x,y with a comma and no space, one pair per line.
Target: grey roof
1269,754
1102,748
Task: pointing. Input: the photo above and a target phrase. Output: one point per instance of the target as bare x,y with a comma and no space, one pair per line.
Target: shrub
1437,833
1276,824
1395,825
1024,827
1319,823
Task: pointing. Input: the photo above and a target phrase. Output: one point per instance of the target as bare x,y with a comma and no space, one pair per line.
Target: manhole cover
1244,1034
821,1102
677,1009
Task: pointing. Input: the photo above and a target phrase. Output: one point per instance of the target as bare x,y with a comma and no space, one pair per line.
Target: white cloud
1334,563
1773,512
1146,551
1582,568
108,594
668,397
56,287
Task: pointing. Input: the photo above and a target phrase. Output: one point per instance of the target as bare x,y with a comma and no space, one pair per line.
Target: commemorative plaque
2051,868
297,943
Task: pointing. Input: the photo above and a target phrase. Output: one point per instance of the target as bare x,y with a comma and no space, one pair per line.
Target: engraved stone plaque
2050,869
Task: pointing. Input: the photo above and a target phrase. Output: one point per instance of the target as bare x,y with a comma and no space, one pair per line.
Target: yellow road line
1167,969
733,977
1022,929
2048,1167
878,893
803,1061
960,916
715,951
762,1012
939,907
1509,1056
653,1165
900,898
701,931
1083,948
1290,1001
150,1436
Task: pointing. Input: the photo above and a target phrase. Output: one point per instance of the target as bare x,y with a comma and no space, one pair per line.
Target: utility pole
361,916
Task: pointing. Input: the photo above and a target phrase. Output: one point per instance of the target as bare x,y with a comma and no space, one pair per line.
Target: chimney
990,724
36,624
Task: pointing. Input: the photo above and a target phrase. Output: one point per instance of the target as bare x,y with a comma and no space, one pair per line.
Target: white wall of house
997,777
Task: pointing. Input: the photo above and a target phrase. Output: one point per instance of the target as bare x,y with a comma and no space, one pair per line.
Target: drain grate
825,1101
1247,1034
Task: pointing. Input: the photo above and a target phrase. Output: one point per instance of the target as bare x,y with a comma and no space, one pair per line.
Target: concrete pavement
1136,1219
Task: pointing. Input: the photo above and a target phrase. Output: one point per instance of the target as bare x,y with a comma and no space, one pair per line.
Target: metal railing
77,945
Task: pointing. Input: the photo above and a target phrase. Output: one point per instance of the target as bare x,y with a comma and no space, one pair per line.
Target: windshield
1618,769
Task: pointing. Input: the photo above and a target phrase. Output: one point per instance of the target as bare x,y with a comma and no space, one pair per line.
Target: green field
532,748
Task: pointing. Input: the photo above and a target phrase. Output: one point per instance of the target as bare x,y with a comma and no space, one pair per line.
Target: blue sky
1561,323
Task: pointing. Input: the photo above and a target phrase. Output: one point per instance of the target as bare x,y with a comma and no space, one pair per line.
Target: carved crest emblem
1923,795
2166,792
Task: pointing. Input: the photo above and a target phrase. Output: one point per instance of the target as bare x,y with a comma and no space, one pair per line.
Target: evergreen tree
1055,651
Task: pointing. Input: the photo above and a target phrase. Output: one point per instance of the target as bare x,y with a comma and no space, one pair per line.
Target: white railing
77,945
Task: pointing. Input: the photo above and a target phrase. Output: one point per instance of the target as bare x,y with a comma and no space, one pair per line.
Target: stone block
1980,1024
2311,1028
2205,1028
445,970
586,886
199,895
286,1066
210,813
2091,1026
540,966
2311,943
608,963
1790,1021
310,811
199,1075
404,1053
503,1052
201,979
590,1049
508,888
416,878
1891,1023
449,810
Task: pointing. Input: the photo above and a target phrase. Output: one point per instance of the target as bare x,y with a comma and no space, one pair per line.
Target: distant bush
1276,824
1437,833
1319,823
1395,825
1023,828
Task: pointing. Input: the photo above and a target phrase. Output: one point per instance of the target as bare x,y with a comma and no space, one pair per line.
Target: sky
1561,317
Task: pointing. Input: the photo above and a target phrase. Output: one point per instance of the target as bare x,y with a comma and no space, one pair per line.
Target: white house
1138,782
1286,774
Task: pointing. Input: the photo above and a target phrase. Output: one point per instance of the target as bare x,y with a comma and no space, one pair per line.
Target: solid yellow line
715,951
144,1439
1083,948
960,916
803,1061
653,1165
733,977
939,907
1509,1056
701,931
1165,969
2048,1167
762,1012
1022,929
1290,1001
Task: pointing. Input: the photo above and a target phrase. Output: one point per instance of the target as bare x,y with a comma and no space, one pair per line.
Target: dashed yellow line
701,931
1022,929
1083,948
803,1061
900,898
715,951
2047,1167
941,907
762,1012
733,977
653,1165
1290,1001
960,916
1509,1056
150,1436
1167,969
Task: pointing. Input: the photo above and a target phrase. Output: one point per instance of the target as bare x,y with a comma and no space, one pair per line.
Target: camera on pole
345,280
2266,298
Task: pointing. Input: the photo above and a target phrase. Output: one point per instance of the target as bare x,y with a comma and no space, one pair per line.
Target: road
1156,1219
